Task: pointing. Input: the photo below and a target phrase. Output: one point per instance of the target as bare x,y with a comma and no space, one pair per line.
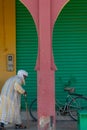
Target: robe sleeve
18,88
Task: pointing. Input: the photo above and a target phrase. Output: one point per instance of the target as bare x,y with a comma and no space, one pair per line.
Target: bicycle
74,102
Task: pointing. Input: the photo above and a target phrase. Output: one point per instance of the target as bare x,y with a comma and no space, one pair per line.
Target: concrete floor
60,125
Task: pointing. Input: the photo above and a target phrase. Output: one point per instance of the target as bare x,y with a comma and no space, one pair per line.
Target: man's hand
25,93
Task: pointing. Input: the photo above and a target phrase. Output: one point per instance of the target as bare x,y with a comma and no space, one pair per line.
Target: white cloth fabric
22,73
10,100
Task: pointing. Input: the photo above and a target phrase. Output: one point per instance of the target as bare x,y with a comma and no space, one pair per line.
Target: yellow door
7,40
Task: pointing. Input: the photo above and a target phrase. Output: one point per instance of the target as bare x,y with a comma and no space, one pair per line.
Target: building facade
19,40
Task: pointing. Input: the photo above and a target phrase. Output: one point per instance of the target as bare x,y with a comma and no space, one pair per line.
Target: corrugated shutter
70,47
26,48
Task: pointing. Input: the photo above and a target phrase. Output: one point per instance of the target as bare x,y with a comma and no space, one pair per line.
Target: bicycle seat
70,90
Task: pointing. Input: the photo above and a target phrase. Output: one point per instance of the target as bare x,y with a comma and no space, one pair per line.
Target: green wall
26,47
69,47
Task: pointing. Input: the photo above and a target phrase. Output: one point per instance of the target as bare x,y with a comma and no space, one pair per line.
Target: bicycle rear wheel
76,104
33,109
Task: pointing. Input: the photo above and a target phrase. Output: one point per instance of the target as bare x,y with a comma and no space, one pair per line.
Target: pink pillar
44,13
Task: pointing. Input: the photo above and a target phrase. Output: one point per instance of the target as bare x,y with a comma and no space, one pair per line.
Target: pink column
45,75
44,13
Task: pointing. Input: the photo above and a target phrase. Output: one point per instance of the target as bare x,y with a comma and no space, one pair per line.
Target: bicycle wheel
76,104
33,110
57,109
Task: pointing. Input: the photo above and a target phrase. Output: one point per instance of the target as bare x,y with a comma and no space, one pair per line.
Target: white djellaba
10,98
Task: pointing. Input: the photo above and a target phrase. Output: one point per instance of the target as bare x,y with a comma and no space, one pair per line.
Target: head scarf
22,73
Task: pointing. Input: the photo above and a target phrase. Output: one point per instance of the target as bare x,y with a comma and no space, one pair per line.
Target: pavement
61,124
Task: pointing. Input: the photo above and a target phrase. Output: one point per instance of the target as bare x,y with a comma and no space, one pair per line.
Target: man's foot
2,128
20,126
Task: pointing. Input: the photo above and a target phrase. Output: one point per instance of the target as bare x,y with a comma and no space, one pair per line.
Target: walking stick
27,111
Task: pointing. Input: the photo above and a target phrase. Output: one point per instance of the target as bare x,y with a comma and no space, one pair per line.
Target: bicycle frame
63,107
73,103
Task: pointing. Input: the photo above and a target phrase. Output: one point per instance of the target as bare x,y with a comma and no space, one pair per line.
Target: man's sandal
21,126
2,128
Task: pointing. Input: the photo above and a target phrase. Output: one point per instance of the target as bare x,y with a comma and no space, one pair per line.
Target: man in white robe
10,100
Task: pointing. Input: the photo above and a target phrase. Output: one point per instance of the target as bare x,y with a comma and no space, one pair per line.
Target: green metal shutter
70,47
26,47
